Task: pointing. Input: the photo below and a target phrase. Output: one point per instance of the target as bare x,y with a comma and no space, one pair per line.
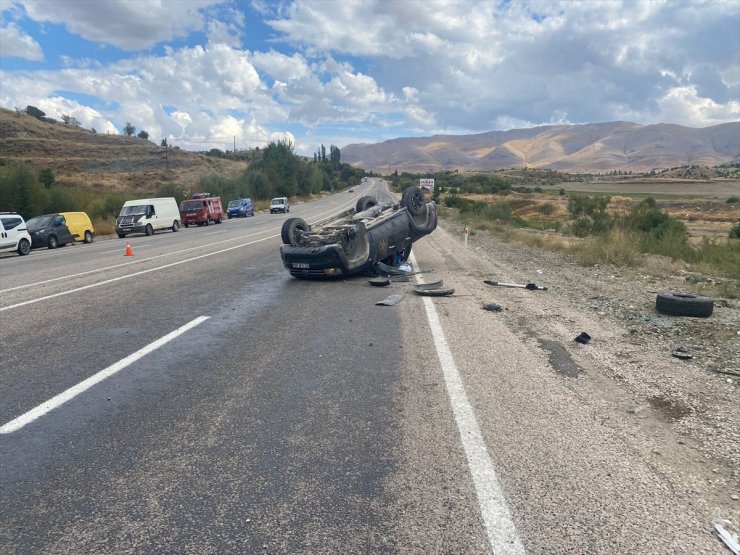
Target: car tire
121,235
186,225
149,230
88,237
290,231
24,247
679,304
413,200
364,203
218,220
52,242
175,226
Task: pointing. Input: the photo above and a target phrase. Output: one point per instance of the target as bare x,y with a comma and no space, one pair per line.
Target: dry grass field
80,158
704,210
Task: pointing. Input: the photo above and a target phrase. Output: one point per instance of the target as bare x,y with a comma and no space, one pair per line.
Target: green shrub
733,200
619,247
735,231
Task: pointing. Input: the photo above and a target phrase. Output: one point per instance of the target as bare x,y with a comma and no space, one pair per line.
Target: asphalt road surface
195,398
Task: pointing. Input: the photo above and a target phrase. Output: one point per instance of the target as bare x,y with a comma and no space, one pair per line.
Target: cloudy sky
203,72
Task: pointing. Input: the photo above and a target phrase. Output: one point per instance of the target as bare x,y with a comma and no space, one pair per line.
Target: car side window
151,212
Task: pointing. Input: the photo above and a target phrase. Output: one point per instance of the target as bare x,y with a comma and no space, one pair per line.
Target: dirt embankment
80,158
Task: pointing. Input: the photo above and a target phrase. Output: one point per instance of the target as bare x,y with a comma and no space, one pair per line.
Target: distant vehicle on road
240,207
49,230
357,240
14,234
279,204
201,209
148,215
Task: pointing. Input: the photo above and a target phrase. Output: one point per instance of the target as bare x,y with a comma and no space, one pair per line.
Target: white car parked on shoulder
14,234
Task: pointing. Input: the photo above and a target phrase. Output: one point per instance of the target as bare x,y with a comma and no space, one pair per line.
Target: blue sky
203,72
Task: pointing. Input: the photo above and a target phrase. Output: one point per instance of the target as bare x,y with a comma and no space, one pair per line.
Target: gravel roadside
675,419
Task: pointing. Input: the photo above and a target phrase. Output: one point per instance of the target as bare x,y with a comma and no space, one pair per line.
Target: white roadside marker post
465,233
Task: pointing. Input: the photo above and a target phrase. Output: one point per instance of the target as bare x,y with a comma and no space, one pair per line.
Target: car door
63,234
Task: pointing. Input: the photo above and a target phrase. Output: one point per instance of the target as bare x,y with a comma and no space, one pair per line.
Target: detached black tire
364,203
413,200
291,229
679,304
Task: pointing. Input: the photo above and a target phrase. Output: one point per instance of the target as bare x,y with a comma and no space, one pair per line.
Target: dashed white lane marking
72,392
502,534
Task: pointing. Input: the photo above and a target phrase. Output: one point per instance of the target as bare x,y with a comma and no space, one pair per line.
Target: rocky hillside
79,157
598,147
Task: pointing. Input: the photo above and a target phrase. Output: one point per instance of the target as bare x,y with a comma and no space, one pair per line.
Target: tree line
279,172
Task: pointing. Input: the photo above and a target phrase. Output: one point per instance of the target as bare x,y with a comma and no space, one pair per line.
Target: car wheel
24,247
678,304
291,230
218,220
121,235
413,200
53,243
363,203
149,230
88,237
175,226
186,225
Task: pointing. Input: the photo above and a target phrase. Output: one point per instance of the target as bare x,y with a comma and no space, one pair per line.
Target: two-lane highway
196,398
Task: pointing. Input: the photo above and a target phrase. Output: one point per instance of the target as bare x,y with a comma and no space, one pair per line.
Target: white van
148,215
279,204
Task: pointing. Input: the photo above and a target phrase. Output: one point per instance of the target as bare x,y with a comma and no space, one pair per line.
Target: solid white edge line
502,534
58,400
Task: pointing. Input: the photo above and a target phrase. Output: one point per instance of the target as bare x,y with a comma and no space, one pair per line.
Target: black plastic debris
429,286
434,292
393,299
379,281
583,338
530,286
493,307
682,353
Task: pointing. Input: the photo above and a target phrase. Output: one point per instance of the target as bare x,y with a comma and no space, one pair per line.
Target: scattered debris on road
433,292
682,353
391,300
530,286
728,533
583,337
379,281
429,286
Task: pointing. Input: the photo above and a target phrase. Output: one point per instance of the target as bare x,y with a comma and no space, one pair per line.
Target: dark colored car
49,230
355,241
240,207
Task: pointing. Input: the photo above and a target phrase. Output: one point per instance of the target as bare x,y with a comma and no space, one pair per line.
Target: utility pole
234,145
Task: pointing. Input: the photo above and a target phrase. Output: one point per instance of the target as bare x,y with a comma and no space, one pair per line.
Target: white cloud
15,43
130,25
683,105
281,67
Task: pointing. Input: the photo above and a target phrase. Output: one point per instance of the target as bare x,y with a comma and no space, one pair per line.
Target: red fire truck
201,209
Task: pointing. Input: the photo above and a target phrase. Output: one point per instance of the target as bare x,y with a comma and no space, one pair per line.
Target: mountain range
595,147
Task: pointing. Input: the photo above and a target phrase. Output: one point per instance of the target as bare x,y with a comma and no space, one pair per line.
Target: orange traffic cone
129,250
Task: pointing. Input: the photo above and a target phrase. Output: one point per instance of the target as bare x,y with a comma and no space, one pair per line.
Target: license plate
302,265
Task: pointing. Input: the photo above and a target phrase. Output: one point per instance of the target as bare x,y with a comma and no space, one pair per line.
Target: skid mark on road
502,534
57,401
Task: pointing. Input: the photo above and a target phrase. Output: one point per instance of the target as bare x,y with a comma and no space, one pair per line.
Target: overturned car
355,241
